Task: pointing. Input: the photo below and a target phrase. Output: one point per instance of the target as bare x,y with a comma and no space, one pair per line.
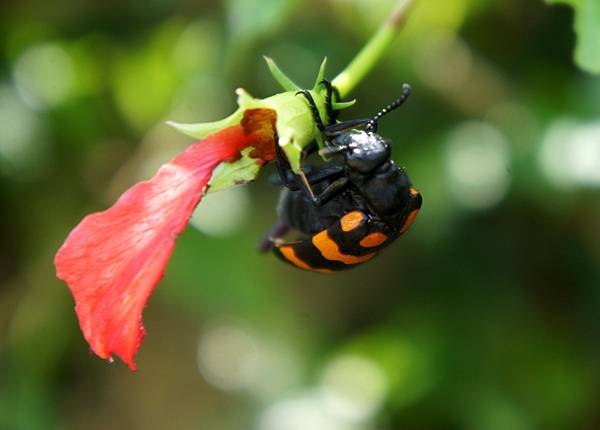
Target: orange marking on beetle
352,220
373,239
290,254
331,251
413,192
409,220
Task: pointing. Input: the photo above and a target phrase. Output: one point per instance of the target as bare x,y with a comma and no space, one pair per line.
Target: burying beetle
349,211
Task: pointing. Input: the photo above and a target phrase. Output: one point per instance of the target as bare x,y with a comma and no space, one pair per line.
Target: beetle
347,211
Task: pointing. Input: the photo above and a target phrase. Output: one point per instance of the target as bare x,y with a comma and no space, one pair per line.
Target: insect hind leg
314,109
273,237
331,114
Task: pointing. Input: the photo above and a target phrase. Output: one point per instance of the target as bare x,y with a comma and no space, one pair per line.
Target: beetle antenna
372,124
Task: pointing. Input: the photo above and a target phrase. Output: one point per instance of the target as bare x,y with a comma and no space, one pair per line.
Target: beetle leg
314,109
313,177
332,150
286,175
331,191
274,236
331,114
290,179
302,181
340,127
324,173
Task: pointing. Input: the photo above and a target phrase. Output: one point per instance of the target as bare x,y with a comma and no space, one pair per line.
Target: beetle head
364,151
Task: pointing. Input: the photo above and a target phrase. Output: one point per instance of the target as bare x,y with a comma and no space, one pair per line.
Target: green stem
373,50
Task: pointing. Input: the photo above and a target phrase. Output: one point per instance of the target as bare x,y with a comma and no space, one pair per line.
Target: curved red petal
113,259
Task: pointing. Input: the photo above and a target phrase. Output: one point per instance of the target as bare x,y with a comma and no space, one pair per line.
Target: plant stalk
373,50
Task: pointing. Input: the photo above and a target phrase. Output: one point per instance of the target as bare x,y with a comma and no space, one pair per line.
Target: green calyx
295,124
318,89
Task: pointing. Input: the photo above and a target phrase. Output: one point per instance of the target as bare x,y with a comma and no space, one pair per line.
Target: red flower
113,259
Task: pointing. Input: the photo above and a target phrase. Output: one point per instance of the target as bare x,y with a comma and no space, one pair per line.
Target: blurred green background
485,316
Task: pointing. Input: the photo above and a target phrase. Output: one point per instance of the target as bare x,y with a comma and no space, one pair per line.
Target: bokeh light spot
45,75
20,138
570,154
196,48
478,163
222,213
443,61
354,387
301,412
228,358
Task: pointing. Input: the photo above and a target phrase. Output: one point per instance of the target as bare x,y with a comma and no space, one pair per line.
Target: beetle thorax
366,150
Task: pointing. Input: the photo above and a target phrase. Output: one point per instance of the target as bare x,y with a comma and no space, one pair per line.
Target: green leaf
236,173
587,27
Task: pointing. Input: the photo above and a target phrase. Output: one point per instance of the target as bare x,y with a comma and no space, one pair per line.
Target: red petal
113,259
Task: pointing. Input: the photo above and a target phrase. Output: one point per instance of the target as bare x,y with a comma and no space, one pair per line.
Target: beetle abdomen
353,239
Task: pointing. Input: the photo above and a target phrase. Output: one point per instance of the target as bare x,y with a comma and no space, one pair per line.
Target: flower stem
373,50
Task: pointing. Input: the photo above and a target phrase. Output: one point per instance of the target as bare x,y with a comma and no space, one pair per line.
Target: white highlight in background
570,154
305,411
45,75
232,357
228,358
478,164
222,213
20,141
354,387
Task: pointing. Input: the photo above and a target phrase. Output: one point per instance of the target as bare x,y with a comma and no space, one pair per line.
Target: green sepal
203,129
336,105
295,125
239,172
321,75
286,83
343,105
